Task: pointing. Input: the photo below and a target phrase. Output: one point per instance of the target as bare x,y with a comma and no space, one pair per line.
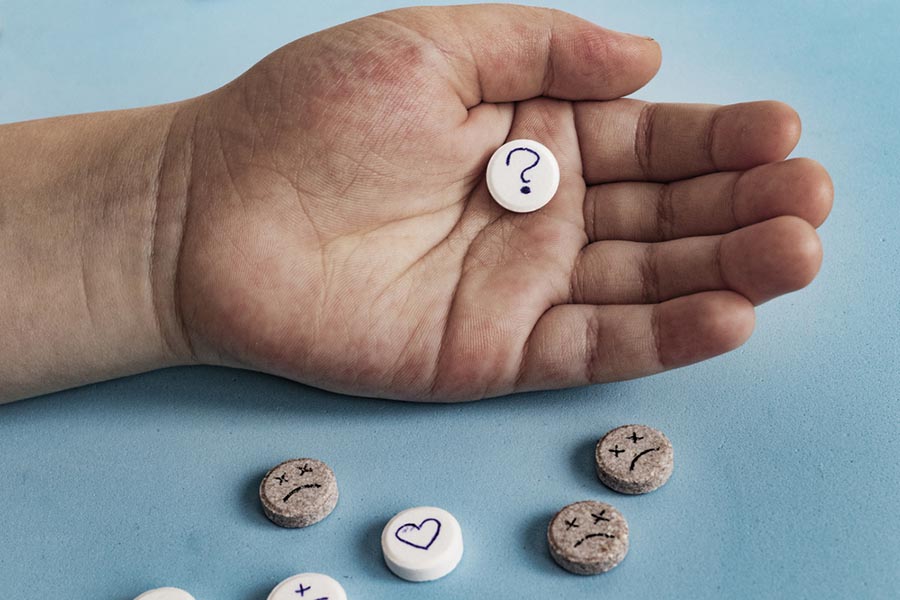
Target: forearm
88,246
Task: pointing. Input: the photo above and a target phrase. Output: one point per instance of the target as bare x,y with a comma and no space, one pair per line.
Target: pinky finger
579,344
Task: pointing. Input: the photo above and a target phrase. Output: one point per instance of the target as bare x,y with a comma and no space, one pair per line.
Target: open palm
339,230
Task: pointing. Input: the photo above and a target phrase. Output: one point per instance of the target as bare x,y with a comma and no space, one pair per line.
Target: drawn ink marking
631,468
600,517
412,531
593,535
634,437
617,451
304,469
282,478
537,158
572,523
302,589
300,487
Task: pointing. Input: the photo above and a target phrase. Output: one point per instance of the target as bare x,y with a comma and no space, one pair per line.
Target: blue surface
787,473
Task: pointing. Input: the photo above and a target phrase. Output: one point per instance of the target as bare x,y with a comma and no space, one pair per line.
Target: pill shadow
368,551
582,460
534,543
261,592
249,500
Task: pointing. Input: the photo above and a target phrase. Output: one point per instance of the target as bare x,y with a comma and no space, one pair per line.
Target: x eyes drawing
304,469
595,516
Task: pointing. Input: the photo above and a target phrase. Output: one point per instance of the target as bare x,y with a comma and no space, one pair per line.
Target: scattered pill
522,175
311,586
166,593
588,537
298,492
634,459
422,544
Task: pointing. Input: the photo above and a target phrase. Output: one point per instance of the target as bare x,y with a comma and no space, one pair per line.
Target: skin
324,217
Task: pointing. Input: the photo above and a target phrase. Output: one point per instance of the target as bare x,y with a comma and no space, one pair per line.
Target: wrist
170,201
89,211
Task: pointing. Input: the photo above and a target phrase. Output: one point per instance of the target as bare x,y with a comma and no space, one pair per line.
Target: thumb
506,53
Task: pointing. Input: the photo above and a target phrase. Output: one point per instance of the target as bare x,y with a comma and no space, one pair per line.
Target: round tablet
422,544
166,593
522,175
298,492
634,459
312,586
588,537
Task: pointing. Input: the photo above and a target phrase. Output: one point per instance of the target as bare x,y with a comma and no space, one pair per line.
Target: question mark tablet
522,175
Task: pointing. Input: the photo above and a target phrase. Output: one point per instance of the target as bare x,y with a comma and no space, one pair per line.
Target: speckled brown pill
298,492
634,459
588,537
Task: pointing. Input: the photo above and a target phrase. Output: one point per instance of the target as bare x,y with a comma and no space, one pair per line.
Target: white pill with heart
422,544
522,175
166,593
312,586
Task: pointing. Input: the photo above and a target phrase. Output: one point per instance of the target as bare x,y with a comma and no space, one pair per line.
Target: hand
338,230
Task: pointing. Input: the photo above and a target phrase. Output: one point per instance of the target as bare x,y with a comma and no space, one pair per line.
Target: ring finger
760,262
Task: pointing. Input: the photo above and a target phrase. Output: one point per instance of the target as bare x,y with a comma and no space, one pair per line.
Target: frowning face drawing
634,459
588,537
298,492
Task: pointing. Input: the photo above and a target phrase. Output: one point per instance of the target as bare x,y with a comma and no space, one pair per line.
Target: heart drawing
419,536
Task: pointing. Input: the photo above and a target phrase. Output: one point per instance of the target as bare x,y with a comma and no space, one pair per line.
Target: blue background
787,477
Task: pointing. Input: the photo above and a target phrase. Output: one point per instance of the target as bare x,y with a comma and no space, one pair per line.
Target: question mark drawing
537,158
511,181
